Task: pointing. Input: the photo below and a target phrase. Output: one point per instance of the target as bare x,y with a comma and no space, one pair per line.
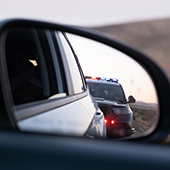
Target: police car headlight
122,110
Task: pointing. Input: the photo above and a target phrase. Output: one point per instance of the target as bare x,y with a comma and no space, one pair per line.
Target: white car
46,87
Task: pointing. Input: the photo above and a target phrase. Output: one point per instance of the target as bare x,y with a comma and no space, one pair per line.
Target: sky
87,12
100,60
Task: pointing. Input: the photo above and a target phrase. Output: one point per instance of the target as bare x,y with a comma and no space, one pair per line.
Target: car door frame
28,110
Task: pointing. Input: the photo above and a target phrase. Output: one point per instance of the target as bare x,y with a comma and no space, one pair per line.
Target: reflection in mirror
46,86
129,102
48,93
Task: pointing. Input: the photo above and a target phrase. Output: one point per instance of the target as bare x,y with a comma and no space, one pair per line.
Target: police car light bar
94,78
102,79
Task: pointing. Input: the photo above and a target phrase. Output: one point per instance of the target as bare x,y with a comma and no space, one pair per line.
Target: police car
110,97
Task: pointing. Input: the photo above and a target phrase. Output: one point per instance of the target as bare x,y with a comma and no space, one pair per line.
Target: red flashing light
112,122
105,121
94,78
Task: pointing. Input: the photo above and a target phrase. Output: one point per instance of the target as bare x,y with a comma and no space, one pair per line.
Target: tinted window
107,91
30,66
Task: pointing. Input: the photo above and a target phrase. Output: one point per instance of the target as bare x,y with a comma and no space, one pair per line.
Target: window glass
30,66
73,67
107,91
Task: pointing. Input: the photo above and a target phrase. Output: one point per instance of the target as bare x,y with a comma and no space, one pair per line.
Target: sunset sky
100,60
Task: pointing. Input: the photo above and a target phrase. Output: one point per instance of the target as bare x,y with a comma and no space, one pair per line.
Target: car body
32,150
111,99
47,87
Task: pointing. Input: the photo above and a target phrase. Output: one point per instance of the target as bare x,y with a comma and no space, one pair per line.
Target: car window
107,91
73,67
34,73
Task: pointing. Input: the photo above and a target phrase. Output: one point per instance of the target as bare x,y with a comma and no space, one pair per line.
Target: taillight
112,122
105,121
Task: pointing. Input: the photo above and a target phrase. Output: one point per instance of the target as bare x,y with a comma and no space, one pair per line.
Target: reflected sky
100,60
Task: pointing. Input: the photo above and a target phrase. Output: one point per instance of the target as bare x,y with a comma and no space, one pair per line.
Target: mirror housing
160,80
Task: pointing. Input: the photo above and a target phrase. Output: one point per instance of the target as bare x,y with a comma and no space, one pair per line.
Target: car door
47,92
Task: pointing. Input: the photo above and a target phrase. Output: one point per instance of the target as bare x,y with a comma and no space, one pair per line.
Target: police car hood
103,101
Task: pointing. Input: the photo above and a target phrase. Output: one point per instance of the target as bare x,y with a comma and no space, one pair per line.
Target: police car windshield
107,91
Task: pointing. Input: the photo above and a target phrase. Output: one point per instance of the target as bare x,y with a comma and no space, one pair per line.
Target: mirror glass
103,62
48,92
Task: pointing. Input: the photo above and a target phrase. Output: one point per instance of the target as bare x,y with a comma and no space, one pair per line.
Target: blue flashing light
107,79
115,80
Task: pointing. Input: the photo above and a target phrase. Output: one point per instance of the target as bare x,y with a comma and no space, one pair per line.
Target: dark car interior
29,64
23,66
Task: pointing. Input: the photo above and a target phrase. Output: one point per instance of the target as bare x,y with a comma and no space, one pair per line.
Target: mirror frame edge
157,74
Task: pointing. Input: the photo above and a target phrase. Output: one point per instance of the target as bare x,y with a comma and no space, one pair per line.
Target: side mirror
131,99
114,57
